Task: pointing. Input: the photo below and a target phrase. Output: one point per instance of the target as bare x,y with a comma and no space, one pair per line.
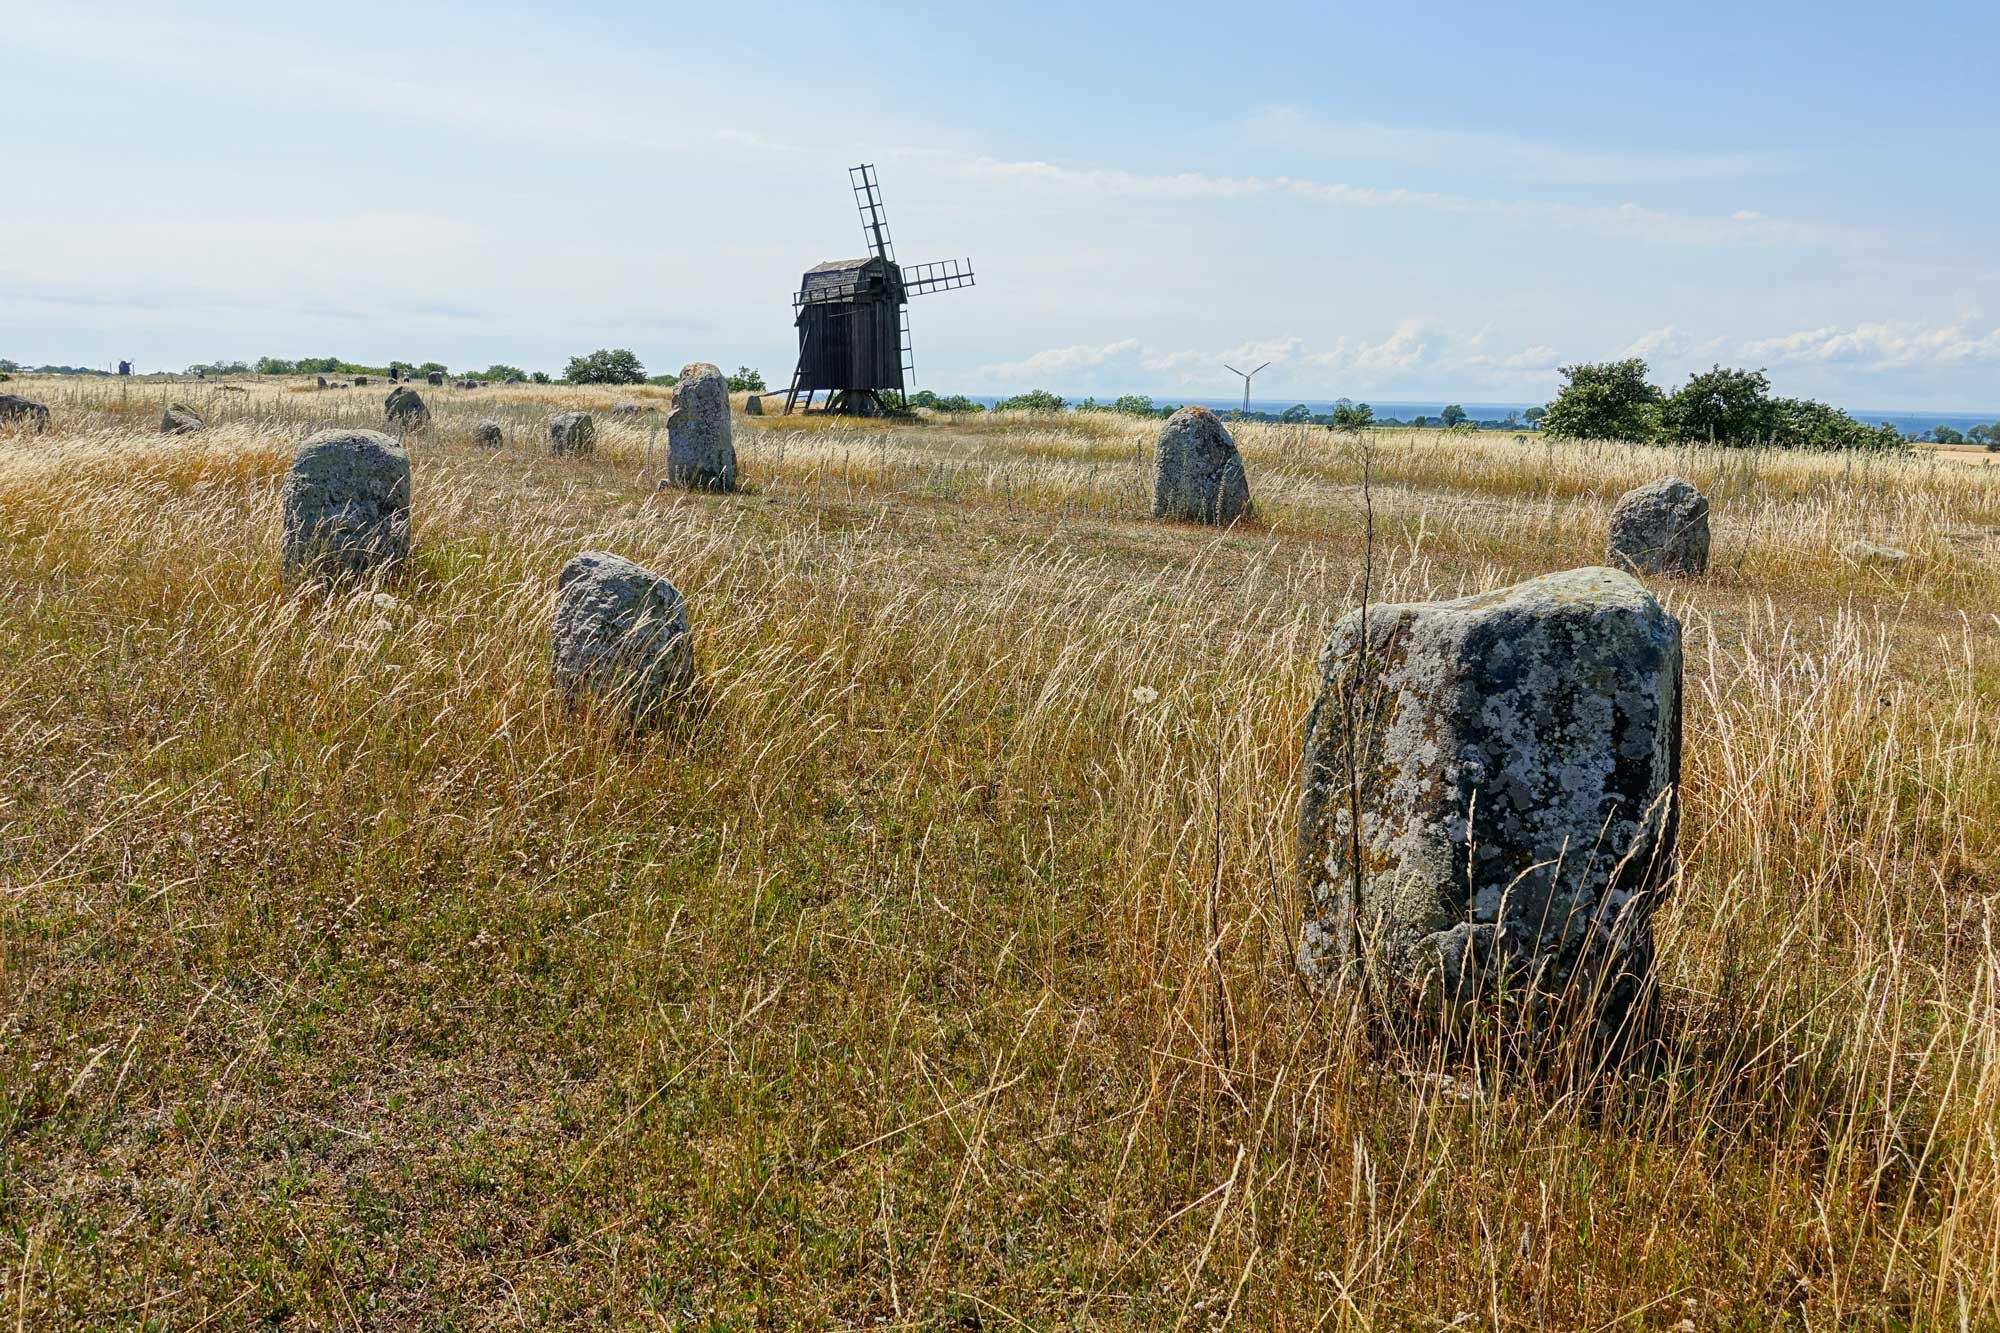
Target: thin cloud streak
1744,227
1292,129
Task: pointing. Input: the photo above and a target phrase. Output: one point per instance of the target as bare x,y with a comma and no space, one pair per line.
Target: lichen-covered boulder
435,379
1660,528
1197,473
700,453
572,435
346,505
1514,758
360,380
18,411
621,638
488,435
405,407
180,419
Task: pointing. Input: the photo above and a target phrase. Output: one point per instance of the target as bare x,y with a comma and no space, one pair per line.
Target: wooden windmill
854,337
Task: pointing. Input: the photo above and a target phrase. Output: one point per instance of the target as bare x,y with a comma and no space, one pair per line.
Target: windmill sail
940,275
874,221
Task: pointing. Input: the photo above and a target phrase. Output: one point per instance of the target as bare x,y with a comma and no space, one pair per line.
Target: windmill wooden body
854,333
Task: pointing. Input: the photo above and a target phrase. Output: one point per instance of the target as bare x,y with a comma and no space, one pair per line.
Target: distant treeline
1611,400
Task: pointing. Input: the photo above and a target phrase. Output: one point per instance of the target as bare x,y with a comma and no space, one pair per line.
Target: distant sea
1911,423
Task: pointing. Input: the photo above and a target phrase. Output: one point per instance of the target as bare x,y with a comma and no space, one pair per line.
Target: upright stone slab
346,505
18,411
753,406
487,435
700,453
1197,473
435,379
180,419
322,381
572,435
1514,760
405,407
1661,528
620,638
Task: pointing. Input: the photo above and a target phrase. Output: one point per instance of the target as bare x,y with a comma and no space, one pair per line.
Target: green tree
433,368
271,365
956,403
1296,415
1135,405
1452,415
1805,424
613,365
1534,414
539,377
500,373
1721,407
1606,400
8,366
1035,400
746,380
1352,416
1948,435
402,368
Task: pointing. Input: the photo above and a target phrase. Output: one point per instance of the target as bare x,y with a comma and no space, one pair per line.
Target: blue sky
1388,202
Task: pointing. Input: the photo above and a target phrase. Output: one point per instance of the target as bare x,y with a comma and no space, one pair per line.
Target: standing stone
405,407
700,453
753,406
360,379
572,435
1661,528
435,379
628,409
487,435
1518,756
18,410
180,419
1197,473
346,505
621,636
322,381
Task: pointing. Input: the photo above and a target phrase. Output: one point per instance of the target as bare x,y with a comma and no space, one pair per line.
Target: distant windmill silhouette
1245,413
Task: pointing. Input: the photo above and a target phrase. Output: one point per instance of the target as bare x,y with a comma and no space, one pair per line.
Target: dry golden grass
938,972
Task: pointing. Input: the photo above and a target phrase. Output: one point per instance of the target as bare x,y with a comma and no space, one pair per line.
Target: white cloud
1879,347
1671,344
1622,219
1293,129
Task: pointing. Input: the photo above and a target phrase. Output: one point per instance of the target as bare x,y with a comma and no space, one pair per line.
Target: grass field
936,973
